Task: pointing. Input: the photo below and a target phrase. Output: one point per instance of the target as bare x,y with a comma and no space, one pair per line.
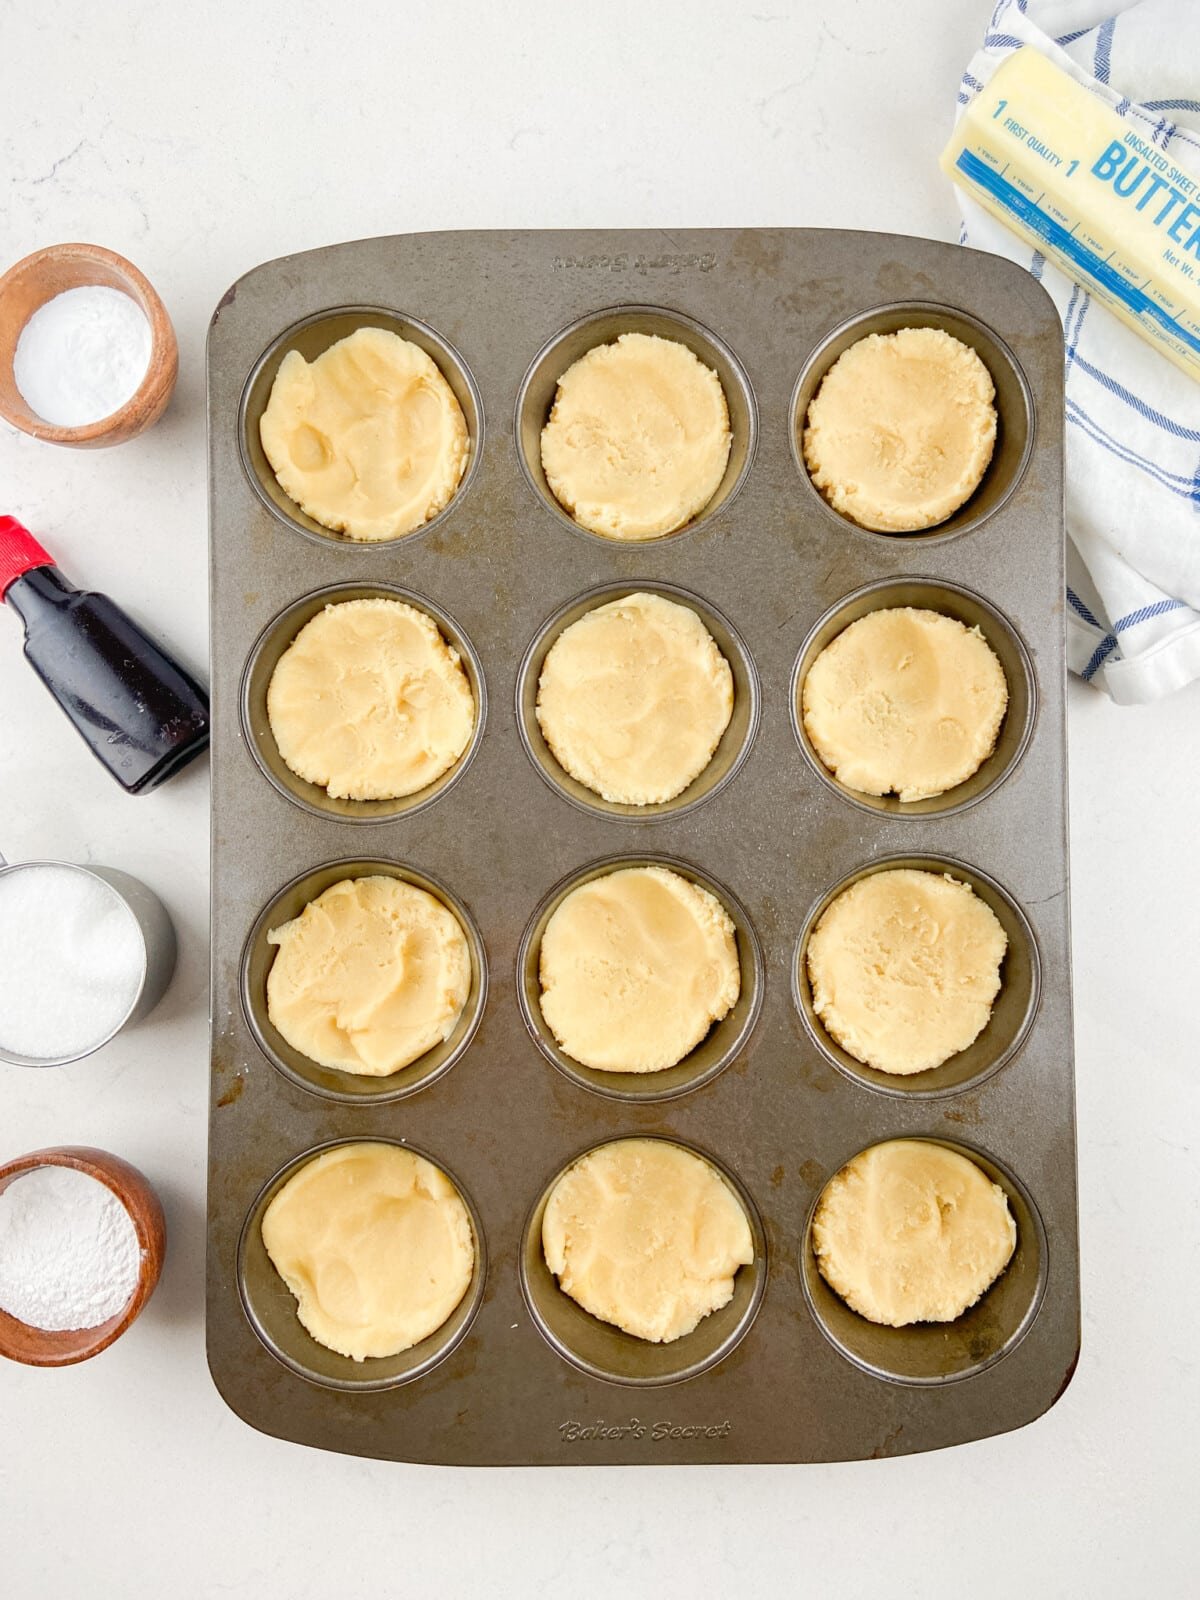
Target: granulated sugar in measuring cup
83,952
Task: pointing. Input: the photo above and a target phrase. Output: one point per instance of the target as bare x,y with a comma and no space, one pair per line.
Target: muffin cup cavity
536,397
734,744
722,1044
604,1351
330,1082
973,611
271,1310
928,1354
311,338
1013,402
1012,1014
264,657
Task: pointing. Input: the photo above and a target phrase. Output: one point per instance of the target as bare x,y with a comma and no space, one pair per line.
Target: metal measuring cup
158,951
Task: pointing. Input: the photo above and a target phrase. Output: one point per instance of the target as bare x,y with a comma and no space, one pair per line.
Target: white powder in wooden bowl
69,1252
82,355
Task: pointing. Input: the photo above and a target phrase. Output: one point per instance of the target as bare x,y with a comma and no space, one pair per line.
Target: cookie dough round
904,967
633,699
635,968
372,974
906,702
638,437
376,1245
368,439
647,1236
912,1232
901,430
369,702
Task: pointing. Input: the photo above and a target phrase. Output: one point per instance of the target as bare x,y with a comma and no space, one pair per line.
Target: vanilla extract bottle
142,715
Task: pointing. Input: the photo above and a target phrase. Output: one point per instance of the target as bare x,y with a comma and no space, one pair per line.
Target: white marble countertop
200,140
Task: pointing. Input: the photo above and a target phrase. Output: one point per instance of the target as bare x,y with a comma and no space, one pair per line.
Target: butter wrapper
1056,164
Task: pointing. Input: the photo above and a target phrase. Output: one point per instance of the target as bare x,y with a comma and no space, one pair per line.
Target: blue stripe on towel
1142,407
1130,457
1158,608
1103,56
1073,346
1144,613
1099,656
1185,479
1071,311
1077,604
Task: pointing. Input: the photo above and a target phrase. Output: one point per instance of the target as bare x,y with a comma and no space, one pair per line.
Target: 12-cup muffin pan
520,1373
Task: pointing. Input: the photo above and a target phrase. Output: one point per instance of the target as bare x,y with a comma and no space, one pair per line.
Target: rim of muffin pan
332,1083
312,336
934,1354
277,637
539,386
1013,1011
602,1350
732,749
724,1042
271,1309
967,607
1015,412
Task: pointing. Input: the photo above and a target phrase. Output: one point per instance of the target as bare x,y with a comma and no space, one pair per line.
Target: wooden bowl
38,278
37,1347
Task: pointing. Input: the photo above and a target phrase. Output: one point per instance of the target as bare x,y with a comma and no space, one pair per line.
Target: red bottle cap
19,552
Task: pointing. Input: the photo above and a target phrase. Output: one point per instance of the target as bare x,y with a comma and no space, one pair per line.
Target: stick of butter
1060,168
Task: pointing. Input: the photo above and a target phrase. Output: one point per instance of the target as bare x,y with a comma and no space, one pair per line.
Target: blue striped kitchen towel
1133,419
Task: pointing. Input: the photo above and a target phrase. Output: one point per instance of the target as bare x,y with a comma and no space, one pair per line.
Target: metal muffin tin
520,1374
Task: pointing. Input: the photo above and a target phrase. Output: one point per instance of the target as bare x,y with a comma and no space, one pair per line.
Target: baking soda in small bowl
69,1252
82,355
72,961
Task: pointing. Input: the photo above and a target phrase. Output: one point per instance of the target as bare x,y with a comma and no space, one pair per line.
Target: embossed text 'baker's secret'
672,262
635,1428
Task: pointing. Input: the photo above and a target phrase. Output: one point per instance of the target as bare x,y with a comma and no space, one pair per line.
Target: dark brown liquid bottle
141,715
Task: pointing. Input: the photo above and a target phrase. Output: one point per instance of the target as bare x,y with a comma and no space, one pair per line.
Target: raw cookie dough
912,1232
634,697
905,702
368,439
901,430
646,1235
370,702
904,967
376,1245
372,974
638,437
635,968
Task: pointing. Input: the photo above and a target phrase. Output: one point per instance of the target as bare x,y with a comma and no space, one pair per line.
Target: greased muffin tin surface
520,1374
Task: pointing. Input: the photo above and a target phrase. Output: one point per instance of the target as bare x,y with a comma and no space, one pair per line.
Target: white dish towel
1133,418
